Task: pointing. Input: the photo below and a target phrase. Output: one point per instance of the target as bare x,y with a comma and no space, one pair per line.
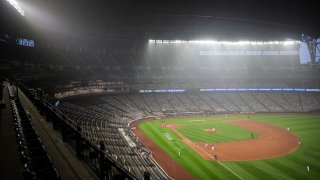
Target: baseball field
272,146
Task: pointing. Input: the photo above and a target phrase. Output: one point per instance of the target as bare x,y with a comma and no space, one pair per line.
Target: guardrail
94,156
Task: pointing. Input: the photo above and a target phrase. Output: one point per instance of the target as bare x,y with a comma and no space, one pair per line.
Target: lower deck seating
102,121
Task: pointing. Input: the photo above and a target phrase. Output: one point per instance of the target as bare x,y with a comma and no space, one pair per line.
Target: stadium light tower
313,47
15,4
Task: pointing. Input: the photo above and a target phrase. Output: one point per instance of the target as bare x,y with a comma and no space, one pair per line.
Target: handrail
74,126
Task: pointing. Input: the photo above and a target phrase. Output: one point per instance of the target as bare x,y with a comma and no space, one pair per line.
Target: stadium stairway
64,158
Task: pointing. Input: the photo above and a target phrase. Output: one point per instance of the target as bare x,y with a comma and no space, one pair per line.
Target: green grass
291,166
224,132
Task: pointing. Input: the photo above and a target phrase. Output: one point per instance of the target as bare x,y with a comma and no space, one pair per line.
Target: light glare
211,42
15,4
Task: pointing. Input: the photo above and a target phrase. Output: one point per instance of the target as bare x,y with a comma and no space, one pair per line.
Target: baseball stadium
159,90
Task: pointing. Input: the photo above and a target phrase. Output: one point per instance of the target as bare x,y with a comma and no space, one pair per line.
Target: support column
102,165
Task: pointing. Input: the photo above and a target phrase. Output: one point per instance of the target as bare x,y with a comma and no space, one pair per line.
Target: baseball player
308,167
206,145
212,147
215,157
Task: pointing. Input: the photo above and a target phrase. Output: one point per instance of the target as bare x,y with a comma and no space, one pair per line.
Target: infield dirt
273,142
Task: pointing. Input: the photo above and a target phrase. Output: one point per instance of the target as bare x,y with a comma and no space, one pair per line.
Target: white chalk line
220,163
267,171
209,155
247,164
230,170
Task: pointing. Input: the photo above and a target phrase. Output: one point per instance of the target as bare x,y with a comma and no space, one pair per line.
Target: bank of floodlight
15,4
211,42
288,42
244,42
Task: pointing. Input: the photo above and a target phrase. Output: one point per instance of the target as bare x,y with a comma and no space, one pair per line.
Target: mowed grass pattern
291,166
224,132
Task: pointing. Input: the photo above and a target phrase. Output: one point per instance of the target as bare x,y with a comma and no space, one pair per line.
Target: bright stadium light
212,42
244,42
15,4
289,42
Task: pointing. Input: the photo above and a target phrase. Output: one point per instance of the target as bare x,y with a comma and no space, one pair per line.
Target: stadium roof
251,19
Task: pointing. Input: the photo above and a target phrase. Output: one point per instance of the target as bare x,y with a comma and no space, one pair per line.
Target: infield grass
291,166
224,132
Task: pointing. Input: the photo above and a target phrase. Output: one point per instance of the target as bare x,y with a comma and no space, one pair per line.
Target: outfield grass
224,132
291,166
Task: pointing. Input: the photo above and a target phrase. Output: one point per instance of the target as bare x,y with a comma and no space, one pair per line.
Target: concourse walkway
64,158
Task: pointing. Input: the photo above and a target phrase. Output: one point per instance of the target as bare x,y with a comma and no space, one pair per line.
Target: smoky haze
169,20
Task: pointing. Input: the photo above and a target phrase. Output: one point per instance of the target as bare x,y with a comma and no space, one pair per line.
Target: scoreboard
25,42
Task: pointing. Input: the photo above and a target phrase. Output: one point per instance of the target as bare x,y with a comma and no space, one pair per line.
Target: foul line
267,171
191,143
221,163
197,146
230,170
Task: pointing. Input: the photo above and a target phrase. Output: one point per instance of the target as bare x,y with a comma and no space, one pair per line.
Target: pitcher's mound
211,130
